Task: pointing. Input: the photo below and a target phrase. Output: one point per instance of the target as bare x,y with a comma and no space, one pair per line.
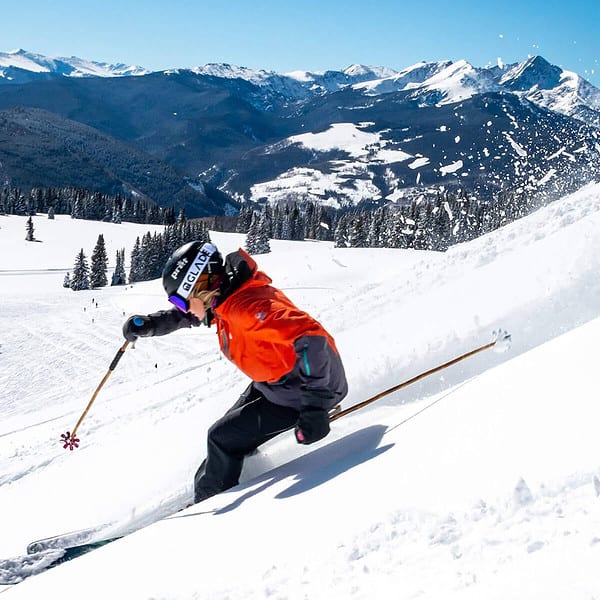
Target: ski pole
500,338
68,439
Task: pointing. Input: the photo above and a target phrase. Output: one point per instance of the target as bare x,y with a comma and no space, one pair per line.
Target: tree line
83,204
425,222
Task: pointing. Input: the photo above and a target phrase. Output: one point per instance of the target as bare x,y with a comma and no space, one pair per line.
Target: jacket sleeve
320,372
167,321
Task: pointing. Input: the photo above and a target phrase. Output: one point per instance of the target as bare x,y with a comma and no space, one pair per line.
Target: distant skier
296,369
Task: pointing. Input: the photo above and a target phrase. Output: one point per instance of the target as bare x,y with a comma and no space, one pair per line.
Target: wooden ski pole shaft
69,437
501,336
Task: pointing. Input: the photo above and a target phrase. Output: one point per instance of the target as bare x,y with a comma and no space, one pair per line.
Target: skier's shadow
319,466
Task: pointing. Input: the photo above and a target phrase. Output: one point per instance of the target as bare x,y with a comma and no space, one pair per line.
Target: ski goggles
181,303
203,283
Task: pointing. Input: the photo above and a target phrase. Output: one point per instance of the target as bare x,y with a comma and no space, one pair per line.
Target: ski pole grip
118,355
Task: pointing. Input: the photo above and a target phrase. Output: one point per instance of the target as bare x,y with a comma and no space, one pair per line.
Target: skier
296,371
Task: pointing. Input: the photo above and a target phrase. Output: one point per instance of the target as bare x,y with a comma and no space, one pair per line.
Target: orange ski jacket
258,326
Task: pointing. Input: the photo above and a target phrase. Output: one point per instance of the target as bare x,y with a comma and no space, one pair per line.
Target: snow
317,186
23,60
350,138
77,67
340,135
452,167
480,481
419,162
458,81
351,177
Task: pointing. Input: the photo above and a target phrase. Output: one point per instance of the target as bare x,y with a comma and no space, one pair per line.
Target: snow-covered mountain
294,85
481,481
535,78
445,82
361,134
20,66
547,85
440,82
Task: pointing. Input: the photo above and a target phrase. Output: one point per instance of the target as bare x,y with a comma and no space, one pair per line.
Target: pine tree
264,228
376,225
297,221
286,224
119,277
51,212
67,281
81,273
340,236
99,264
357,231
252,234
244,218
257,240
29,237
135,264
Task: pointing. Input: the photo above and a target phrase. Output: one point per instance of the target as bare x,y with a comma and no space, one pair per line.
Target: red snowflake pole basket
69,441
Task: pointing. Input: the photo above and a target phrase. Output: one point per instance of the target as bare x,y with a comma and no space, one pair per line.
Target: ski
75,551
46,553
14,570
49,552
72,538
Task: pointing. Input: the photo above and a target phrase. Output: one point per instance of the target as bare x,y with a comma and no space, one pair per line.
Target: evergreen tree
252,234
67,281
286,224
77,207
29,237
340,236
99,264
264,228
136,265
297,221
357,231
244,218
375,231
81,273
257,240
116,214
51,212
119,277
310,224
20,204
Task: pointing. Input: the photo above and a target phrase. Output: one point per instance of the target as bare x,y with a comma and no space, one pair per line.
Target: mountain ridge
433,125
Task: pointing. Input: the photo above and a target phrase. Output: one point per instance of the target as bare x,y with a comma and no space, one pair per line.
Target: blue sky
284,35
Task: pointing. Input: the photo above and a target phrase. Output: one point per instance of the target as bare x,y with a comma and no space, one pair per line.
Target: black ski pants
250,422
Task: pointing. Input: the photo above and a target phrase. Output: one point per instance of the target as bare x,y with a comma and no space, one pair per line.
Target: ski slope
481,481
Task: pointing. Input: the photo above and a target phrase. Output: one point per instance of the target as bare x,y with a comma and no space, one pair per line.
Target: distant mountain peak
535,71
358,70
21,66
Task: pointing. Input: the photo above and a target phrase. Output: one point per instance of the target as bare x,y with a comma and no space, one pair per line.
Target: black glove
137,326
312,426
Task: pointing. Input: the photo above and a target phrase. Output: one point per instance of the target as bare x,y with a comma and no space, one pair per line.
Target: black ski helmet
183,269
